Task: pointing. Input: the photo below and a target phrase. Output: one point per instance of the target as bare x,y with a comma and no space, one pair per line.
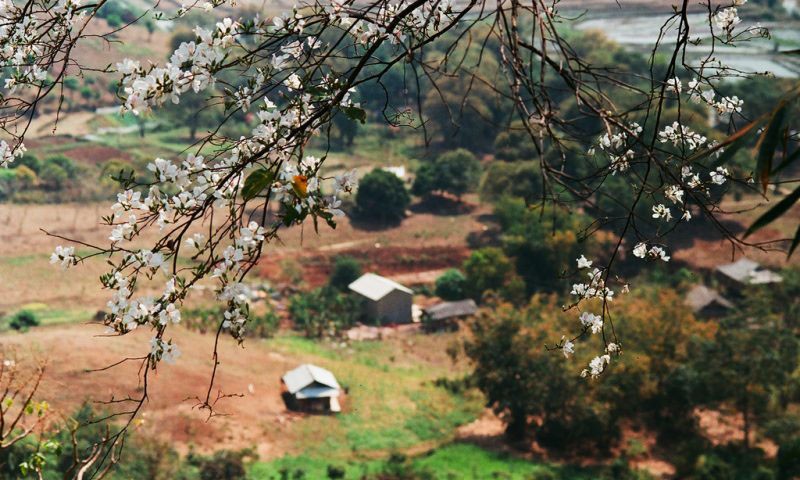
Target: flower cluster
8,153
619,147
654,252
591,323
681,135
727,18
723,106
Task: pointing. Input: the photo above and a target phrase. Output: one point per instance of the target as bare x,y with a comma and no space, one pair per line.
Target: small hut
706,302
745,272
445,315
386,301
310,388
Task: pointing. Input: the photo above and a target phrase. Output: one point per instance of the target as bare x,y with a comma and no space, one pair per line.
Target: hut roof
376,287
747,271
445,310
311,381
700,296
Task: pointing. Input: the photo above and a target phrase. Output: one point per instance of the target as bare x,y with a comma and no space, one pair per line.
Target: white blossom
63,255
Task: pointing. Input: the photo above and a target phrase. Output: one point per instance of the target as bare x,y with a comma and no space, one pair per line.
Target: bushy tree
520,379
382,196
543,243
750,360
514,144
486,269
456,172
346,270
451,285
518,179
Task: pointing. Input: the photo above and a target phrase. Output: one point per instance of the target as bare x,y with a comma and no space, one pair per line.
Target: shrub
53,176
23,320
345,271
24,178
335,472
450,286
206,320
28,160
69,166
114,20
382,196
223,464
7,180
324,312
262,326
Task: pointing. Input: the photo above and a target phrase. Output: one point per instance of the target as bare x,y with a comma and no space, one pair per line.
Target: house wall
393,308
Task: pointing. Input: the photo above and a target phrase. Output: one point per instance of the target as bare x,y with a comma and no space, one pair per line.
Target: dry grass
27,276
391,403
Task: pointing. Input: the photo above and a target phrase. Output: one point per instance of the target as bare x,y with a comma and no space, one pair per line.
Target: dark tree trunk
746,417
517,425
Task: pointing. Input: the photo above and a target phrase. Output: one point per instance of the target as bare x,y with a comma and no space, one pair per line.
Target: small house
744,272
310,388
445,315
386,301
706,302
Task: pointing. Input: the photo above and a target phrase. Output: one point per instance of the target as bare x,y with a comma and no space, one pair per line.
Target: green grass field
391,402
455,461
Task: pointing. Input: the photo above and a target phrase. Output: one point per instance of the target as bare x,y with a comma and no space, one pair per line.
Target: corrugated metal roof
306,375
747,271
739,270
445,310
317,392
700,296
376,287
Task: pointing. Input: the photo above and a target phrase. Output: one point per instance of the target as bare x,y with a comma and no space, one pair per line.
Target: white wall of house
394,307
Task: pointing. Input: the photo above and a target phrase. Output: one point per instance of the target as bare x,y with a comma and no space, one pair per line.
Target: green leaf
355,113
730,151
767,144
731,144
255,183
787,161
770,215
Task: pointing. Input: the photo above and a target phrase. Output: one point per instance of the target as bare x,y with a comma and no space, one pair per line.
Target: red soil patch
390,261
49,141
722,428
256,418
96,154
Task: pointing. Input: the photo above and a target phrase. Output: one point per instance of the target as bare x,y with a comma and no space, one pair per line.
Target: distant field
25,251
391,405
